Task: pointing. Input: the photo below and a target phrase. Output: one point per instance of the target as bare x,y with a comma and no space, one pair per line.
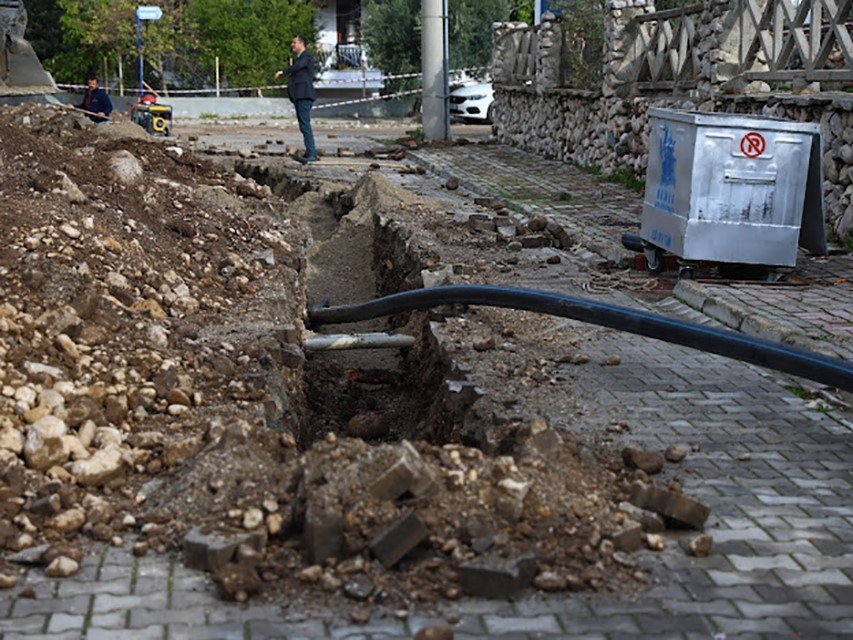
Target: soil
161,317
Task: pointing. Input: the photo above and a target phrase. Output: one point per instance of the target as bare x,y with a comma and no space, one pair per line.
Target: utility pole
436,70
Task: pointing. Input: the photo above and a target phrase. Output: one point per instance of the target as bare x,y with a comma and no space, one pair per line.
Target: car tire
490,112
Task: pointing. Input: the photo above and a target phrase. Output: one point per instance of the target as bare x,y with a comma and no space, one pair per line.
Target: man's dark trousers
303,115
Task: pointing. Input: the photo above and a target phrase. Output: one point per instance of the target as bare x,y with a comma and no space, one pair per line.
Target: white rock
68,521
125,167
252,518
11,440
71,231
102,467
45,446
62,567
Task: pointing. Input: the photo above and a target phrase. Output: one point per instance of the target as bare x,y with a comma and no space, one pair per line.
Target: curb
740,318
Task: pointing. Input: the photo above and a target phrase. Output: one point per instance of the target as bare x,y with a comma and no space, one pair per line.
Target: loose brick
497,579
324,534
212,551
678,508
400,538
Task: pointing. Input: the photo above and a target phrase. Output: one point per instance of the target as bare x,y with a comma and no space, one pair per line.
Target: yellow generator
156,119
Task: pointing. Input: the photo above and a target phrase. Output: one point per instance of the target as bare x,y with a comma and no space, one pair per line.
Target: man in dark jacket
96,101
300,90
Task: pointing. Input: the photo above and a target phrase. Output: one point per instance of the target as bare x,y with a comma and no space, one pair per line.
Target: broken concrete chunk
680,509
323,535
497,579
399,539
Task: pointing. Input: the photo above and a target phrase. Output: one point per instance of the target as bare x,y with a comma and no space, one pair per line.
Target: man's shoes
305,160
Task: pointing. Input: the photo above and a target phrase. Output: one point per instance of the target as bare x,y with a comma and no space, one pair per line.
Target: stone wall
608,127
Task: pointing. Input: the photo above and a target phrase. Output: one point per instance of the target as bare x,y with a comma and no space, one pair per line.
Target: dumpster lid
735,120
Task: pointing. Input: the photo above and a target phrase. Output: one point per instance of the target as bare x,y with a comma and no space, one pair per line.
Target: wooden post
217,76
120,78
106,73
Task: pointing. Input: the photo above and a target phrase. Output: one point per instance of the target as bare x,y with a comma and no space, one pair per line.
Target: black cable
772,355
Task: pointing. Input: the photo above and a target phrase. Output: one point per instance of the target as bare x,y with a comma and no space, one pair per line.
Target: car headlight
476,97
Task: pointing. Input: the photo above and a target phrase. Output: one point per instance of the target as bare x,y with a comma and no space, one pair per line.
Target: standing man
96,101
300,90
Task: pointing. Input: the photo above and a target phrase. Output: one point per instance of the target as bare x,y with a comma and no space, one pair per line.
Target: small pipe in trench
772,355
342,342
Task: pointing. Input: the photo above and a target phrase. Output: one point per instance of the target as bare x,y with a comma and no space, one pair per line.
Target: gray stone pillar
620,53
549,50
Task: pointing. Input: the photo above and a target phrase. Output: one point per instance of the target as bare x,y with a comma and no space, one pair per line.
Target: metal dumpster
732,188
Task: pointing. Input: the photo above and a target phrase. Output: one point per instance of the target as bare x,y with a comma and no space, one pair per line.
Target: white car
473,102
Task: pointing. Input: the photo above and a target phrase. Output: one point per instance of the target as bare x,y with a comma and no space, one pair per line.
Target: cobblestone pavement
816,313
775,471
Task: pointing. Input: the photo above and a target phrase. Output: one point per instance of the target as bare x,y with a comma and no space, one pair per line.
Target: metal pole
139,49
120,77
217,76
445,25
435,107
106,73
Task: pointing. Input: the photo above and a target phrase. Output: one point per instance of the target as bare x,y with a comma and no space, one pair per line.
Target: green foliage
523,12
583,43
627,178
392,33
251,37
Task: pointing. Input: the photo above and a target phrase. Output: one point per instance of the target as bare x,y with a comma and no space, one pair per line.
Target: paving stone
215,632
497,578
741,625
60,622
211,551
324,535
671,505
540,624
28,624
143,618
398,539
151,633
271,629
105,602
111,620
72,605
609,625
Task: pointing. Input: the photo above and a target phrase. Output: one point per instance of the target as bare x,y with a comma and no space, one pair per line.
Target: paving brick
28,624
216,632
741,625
500,625
151,633
323,535
497,578
60,622
398,539
71,605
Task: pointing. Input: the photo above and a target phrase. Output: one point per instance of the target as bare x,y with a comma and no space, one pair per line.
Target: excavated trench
378,395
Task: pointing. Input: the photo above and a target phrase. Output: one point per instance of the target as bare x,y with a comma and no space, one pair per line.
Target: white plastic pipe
348,341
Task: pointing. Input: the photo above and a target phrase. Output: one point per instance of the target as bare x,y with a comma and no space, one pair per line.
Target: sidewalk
814,313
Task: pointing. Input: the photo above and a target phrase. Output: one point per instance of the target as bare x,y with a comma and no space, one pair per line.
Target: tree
392,32
251,37
96,29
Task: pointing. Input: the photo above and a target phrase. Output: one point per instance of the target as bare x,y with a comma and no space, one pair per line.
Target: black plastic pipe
829,371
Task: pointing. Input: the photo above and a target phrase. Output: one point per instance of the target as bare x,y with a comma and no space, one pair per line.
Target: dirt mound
123,288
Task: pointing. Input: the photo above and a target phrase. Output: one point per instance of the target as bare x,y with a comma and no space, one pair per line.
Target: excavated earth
155,389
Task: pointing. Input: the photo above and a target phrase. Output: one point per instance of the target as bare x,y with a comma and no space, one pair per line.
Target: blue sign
149,13
665,195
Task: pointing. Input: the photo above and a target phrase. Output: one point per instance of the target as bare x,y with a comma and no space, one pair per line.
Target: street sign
149,13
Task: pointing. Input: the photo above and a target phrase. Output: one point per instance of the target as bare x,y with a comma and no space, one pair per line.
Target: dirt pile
126,270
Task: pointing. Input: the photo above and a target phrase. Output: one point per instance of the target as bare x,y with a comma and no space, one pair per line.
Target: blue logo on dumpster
665,195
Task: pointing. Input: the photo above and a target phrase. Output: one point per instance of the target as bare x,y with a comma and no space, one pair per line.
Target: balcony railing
342,56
